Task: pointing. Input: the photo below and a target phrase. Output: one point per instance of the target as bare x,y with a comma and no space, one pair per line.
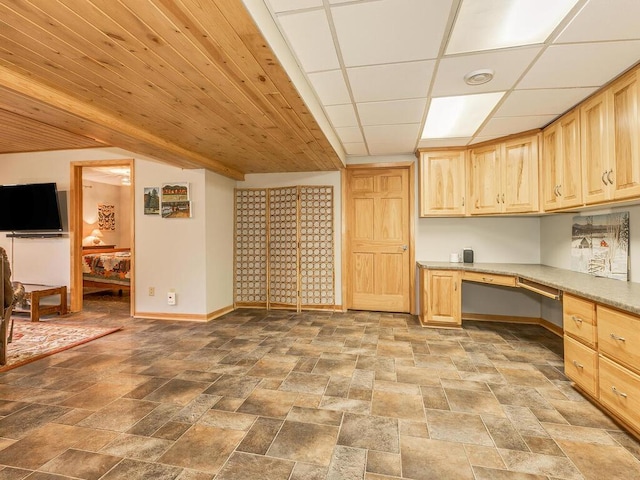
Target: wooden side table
34,293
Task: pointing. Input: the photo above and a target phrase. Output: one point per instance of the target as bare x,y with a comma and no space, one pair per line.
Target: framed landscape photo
175,192
181,209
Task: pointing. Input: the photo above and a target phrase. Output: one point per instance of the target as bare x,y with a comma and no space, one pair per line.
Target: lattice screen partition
251,248
316,247
299,247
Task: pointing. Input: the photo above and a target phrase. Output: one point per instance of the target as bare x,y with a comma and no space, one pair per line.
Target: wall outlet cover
171,298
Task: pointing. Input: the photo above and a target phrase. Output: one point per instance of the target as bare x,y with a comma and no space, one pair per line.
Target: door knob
404,248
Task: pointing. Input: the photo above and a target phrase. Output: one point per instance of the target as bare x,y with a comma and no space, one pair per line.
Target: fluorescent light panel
459,116
492,24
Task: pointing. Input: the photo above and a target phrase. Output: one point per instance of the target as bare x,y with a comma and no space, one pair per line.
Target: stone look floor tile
304,396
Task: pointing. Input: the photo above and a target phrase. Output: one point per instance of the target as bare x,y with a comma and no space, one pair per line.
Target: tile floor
278,395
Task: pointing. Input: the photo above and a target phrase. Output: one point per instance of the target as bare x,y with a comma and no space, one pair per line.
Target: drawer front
620,391
579,319
581,365
490,278
619,336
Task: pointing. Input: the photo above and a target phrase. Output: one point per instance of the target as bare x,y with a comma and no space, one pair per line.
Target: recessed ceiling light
478,77
459,116
491,24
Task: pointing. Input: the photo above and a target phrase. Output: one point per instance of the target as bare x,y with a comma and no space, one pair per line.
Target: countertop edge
606,291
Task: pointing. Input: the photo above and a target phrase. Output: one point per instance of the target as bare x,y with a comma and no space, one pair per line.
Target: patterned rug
35,340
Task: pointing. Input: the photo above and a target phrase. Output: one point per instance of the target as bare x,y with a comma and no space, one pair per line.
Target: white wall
219,223
272,180
169,253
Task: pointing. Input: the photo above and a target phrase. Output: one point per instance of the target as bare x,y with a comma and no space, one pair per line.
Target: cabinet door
624,170
520,175
551,168
484,181
442,183
443,297
595,150
570,184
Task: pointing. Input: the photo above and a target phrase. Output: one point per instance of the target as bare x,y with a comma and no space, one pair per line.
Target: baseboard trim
184,317
483,317
221,311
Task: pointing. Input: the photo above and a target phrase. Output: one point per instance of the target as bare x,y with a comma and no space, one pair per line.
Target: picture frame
151,200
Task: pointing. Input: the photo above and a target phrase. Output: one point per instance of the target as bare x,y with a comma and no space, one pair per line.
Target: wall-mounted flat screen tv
30,208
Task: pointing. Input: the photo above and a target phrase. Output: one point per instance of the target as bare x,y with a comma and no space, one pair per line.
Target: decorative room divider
284,248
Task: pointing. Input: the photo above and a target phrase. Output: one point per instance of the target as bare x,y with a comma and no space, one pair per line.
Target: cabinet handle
577,365
609,177
503,198
463,201
555,190
618,392
559,192
604,174
576,319
498,198
455,287
617,337
487,279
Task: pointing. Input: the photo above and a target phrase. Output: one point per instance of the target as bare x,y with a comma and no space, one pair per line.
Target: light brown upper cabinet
442,188
561,167
503,177
611,142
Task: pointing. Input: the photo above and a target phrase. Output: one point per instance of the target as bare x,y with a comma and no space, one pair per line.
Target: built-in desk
601,324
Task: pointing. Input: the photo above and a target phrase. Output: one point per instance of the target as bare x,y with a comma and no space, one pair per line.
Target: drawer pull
617,392
576,319
617,338
578,365
487,279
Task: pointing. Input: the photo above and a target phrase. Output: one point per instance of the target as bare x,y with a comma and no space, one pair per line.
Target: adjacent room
308,239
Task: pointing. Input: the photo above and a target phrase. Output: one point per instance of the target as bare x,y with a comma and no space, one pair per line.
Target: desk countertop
615,293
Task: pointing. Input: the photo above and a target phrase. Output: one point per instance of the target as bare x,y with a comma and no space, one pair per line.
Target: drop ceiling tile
311,40
443,142
407,133
553,101
392,148
507,125
330,87
342,115
349,134
355,148
391,82
392,112
604,20
390,30
288,5
581,65
508,67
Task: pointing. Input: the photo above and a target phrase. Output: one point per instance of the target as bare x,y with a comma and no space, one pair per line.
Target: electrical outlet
152,291
171,298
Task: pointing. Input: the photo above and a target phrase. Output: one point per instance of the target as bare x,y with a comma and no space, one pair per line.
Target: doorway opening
102,232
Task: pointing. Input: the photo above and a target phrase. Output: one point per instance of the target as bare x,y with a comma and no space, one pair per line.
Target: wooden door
570,186
484,180
378,225
520,175
442,183
624,134
595,151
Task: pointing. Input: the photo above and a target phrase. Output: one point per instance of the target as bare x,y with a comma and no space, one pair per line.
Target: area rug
35,340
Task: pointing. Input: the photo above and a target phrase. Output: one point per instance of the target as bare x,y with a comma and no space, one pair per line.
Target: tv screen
30,207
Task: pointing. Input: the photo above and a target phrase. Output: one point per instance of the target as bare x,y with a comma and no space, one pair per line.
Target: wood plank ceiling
188,82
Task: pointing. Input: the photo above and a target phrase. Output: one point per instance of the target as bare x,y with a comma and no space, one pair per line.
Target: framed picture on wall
175,192
151,200
180,209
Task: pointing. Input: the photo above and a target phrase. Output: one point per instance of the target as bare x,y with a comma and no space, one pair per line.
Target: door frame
75,227
346,229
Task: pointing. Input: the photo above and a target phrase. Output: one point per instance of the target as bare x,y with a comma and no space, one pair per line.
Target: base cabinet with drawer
602,357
